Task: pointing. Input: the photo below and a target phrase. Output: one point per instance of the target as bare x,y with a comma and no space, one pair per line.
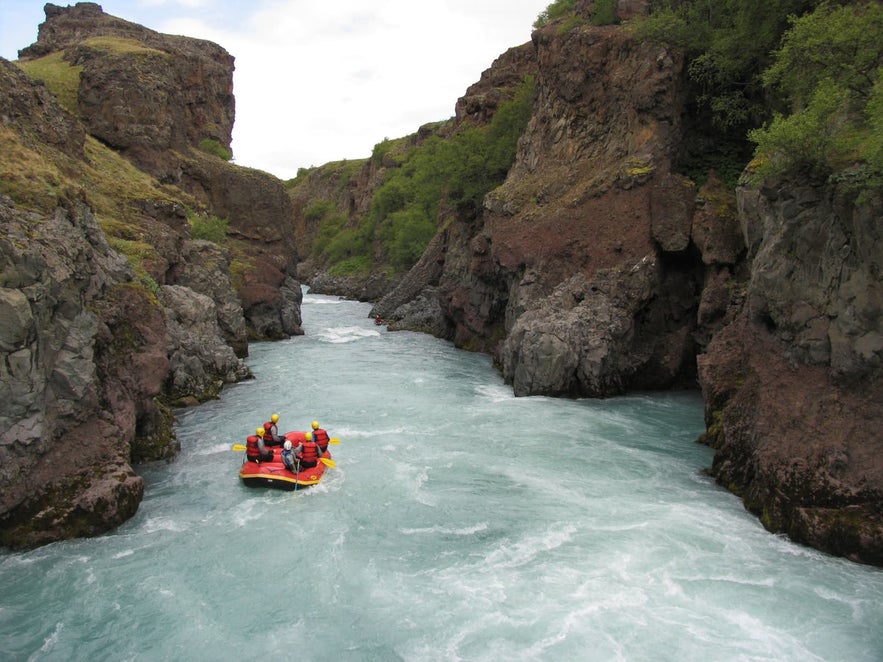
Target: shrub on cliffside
458,171
207,226
215,148
728,44
828,71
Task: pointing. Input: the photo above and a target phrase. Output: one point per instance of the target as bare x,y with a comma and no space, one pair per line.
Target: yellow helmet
315,425
275,418
259,432
308,436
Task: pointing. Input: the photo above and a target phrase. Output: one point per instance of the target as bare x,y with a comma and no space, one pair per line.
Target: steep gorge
595,269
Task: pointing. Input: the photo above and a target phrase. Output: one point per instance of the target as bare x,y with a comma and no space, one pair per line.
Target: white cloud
318,82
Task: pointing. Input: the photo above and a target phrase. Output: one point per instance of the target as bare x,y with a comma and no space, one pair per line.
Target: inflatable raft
274,474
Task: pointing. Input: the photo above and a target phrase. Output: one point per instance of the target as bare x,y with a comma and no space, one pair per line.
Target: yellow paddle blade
327,462
238,447
334,440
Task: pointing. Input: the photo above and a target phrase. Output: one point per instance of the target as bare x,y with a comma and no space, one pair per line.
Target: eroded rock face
90,357
596,335
793,383
35,111
67,417
589,200
815,277
199,361
594,270
140,88
205,268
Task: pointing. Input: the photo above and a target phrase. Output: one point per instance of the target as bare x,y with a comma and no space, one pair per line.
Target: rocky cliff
162,101
135,264
579,277
793,383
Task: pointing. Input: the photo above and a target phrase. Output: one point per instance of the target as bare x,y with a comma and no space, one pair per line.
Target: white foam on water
496,393
346,334
48,644
447,531
154,524
529,548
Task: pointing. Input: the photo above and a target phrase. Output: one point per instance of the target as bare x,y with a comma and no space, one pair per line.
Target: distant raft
274,474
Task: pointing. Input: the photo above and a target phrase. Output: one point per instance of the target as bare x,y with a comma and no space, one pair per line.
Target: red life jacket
320,436
310,452
270,431
252,450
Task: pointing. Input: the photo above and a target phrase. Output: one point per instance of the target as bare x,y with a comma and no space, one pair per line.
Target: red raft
274,474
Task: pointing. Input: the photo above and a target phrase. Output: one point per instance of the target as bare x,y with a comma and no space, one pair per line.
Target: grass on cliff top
342,170
121,46
62,79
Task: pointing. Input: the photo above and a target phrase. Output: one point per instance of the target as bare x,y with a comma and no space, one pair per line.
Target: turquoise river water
460,523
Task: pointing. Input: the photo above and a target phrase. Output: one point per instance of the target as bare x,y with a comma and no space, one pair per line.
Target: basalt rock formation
84,357
793,383
112,309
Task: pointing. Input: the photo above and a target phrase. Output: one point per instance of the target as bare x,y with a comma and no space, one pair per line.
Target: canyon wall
113,310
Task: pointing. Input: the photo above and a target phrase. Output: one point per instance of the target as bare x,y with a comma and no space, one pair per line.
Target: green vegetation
830,71
795,77
604,13
728,44
120,46
441,173
458,171
554,12
215,148
137,252
318,210
338,242
203,226
564,13
62,79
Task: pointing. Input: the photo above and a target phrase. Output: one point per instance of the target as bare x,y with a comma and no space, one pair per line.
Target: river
460,523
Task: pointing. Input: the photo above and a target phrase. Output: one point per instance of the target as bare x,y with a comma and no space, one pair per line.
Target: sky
319,81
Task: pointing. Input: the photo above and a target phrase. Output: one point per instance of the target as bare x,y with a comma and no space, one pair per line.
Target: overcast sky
319,81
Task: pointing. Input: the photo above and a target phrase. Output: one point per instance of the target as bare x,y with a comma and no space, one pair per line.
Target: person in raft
255,451
308,452
288,458
271,432
320,436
